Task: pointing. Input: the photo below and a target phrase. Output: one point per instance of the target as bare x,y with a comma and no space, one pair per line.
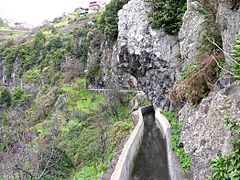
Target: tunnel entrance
151,161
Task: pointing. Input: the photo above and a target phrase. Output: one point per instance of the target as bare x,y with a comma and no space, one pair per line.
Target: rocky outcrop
106,50
151,56
205,134
228,19
192,27
155,58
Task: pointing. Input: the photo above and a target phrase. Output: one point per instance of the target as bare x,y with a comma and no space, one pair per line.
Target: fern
236,56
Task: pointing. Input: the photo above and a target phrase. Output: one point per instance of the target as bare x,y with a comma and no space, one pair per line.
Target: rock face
228,19
205,134
192,27
155,58
151,56
107,52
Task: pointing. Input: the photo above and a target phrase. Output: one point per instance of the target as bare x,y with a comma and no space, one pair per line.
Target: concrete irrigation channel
147,154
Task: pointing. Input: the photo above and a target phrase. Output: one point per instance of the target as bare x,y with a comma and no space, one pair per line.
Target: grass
7,29
90,173
83,99
176,128
61,24
87,126
188,69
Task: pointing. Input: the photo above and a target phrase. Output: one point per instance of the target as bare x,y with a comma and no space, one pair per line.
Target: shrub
176,128
94,71
227,167
167,14
32,76
81,49
108,21
39,41
55,43
198,83
10,56
54,163
210,32
18,97
236,56
5,97
41,106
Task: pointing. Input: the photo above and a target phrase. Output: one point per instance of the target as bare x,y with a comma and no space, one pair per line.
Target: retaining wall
125,162
124,165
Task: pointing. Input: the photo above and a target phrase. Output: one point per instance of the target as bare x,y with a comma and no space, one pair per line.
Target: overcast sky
36,11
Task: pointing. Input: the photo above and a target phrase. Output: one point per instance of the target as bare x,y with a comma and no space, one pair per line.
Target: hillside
63,114
52,127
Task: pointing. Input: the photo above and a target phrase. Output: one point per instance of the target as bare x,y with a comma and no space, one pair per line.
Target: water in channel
151,160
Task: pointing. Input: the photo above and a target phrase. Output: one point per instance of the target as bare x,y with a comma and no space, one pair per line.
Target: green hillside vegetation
69,132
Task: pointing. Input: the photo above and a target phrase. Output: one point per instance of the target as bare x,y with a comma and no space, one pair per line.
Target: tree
108,22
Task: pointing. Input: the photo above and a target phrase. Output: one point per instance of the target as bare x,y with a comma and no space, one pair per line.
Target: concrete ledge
162,122
125,163
175,169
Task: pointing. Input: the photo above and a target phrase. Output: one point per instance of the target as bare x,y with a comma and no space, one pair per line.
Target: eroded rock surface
151,56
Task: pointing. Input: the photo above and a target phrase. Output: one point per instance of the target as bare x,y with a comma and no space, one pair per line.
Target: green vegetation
167,14
94,70
227,167
89,131
199,77
38,55
69,132
72,127
5,98
15,98
82,99
89,173
49,156
32,76
176,128
236,56
189,69
81,51
19,97
204,45
108,21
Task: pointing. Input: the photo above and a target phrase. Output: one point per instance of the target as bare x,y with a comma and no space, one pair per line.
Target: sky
34,12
